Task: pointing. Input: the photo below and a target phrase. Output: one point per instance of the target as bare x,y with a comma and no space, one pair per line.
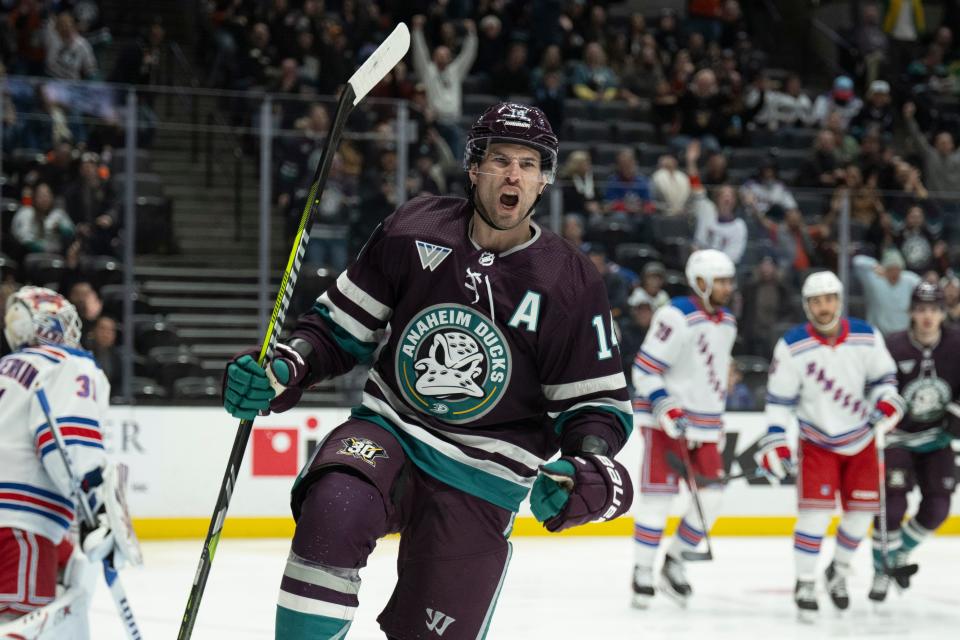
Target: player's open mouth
509,200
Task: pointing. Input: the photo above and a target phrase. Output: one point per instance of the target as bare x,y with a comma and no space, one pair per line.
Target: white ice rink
570,587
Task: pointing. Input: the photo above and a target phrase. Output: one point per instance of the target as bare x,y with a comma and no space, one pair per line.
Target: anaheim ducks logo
452,363
927,398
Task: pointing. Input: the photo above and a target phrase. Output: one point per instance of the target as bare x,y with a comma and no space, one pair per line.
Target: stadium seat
151,334
146,184
634,255
574,108
101,270
146,388
587,130
197,388
118,161
172,363
113,295
649,154
567,147
605,153
43,268
476,103
635,132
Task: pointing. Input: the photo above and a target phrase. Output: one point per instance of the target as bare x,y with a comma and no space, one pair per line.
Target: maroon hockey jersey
487,362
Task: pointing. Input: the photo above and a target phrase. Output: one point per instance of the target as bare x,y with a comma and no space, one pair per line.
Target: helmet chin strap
822,328
480,209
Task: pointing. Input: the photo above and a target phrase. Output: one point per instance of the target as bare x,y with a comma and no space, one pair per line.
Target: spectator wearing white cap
634,325
840,99
887,288
877,111
652,279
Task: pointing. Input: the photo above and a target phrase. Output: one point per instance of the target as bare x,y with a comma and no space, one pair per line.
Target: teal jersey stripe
503,493
293,625
626,419
362,351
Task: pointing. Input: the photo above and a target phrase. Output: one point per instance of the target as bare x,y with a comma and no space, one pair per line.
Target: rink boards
177,456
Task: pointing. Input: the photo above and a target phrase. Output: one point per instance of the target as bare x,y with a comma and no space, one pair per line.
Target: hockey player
834,376
680,380
501,352
918,452
36,504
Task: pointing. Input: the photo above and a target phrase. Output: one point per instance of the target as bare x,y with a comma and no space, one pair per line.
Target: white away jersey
686,355
830,389
34,486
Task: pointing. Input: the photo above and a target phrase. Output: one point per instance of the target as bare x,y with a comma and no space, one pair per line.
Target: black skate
643,590
836,576
879,587
805,595
673,581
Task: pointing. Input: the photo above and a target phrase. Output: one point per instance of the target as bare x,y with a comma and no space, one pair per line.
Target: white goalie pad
66,616
113,492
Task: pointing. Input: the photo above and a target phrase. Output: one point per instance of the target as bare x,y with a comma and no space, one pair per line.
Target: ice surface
560,587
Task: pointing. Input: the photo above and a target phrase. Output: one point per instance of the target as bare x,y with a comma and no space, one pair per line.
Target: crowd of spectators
676,132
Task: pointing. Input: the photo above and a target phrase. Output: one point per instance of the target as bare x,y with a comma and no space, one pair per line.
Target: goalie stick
110,574
371,72
685,468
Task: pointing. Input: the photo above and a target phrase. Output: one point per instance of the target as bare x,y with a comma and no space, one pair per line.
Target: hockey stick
371,72
900,574
677,465
110,574
685,469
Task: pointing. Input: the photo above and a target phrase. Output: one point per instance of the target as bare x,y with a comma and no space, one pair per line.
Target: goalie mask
822,283
36,315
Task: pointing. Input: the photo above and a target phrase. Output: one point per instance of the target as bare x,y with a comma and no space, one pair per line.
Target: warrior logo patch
363,449
906,366
452,363
431,255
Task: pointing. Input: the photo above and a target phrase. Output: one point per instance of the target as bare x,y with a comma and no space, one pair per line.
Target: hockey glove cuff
773,456
888,413
578,489
99,544
287,373
671,417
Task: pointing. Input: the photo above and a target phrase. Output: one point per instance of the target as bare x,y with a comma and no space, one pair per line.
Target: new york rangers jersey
830,390
686,355
491,359
34,486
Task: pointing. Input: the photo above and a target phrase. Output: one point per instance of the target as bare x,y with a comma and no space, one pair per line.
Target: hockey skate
879,588
643,590
673,581
805,595
836,577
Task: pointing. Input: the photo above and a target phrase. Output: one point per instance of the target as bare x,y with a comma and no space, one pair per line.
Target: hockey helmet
35,315
822,283
708,265
928,293
513,123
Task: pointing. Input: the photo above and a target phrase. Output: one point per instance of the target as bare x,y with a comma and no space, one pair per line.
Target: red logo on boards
275,452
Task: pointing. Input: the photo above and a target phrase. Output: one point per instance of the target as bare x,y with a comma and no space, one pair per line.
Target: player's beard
505,220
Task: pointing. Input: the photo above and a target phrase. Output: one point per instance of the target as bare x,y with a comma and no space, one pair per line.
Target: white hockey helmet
36,315
708,265
822,283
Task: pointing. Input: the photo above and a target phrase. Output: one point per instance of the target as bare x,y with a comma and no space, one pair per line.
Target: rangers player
680,379
835,377
501,353
36,504
918,453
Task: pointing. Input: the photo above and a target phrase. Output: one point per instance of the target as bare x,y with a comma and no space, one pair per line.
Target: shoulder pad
860,326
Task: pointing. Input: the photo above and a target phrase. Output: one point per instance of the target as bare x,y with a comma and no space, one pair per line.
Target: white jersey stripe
569,390
610,403
345,320
299,570
362,299
313,607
